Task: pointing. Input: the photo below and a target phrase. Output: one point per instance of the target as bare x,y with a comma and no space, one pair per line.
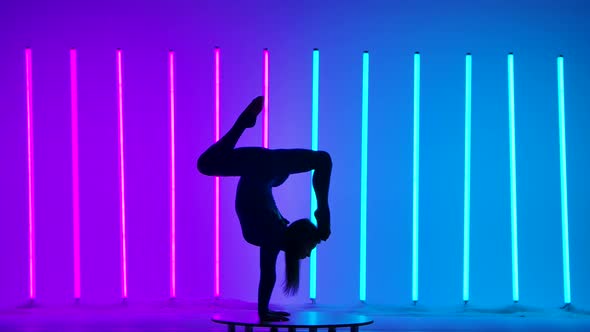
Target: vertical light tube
122,175
75,172
172,181
29,86
513,212
364,173
416,181
217,120
265,93
467,180
315,81
563,176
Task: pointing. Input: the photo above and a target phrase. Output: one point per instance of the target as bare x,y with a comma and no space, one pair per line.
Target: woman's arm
268,276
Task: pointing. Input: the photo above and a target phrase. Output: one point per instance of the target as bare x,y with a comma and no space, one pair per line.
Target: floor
196,315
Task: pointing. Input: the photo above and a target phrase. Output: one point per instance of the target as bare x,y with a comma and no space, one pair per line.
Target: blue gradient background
536,31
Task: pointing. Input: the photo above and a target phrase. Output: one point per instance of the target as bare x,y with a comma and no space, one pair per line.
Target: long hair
292,265
297,233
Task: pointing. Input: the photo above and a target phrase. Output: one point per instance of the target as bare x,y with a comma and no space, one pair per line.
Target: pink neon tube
122,174
172,185
75,173
29,79
217,178
265,93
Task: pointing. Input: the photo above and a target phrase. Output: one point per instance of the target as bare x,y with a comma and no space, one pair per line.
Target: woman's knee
205,165
324,160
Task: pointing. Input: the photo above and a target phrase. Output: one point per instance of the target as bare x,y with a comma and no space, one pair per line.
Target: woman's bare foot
322,216
248,117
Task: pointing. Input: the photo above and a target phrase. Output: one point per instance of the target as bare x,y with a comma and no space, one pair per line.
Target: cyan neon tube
416,181
563,177
315,80
364,160
467,180
513,212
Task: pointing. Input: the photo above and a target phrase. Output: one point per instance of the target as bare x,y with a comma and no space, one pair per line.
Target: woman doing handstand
260,170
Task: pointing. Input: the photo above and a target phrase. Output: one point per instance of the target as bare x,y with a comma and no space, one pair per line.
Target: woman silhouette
260,170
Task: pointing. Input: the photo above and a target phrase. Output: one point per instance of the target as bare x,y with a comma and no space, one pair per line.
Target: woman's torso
260,219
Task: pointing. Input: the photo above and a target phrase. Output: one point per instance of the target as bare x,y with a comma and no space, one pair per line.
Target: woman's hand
272,316
280,313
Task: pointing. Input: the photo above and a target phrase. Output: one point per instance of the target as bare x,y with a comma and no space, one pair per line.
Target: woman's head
301,238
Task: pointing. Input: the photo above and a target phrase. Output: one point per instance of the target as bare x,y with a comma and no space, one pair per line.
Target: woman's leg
292,161
300,160
277,163
215,161
268,164
223,159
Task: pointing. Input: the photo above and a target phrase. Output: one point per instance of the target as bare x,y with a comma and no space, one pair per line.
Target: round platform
308,319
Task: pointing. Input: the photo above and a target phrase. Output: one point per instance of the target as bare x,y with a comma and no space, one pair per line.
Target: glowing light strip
563,176
314,146
416,181
75,172
217,218
467,181
265,87
172,183
122,173
364,157
513,213
29,82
